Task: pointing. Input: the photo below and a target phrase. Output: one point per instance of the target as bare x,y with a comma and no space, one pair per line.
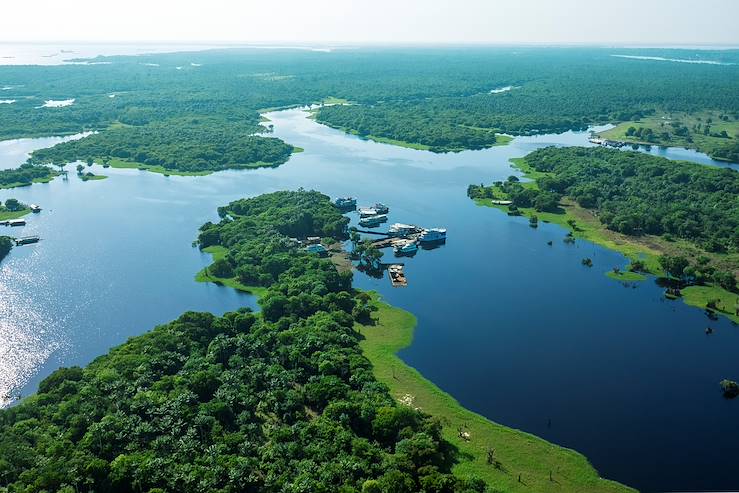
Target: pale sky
373,21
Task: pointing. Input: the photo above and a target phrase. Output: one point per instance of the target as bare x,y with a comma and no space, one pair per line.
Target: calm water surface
516,330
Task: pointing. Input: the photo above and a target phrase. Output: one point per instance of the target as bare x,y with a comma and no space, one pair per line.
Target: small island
25,175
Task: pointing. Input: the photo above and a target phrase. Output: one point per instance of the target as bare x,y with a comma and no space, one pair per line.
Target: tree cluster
277,401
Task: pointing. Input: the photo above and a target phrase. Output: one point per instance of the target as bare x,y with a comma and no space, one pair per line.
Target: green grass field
727,303
518,452
626,276
660,123
218,252
6,215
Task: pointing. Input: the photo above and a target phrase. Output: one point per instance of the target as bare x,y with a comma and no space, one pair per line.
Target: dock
397,277
14,222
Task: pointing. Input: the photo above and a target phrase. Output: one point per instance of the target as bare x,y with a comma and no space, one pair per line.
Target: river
516,330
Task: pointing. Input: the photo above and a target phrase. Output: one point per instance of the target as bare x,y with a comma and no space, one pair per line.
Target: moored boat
405,248
433,235
367,211
400,229
373,220
345,202
27,240
34,208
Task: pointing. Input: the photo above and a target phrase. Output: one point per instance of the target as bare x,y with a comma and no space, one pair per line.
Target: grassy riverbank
681,130
518,452
217,253
6,215
584,224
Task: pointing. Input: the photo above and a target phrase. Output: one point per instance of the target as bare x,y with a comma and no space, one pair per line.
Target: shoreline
517,451
646,249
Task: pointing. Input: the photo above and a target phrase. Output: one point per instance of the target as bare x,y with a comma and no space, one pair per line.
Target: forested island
672,218
25,175
280,400
182,146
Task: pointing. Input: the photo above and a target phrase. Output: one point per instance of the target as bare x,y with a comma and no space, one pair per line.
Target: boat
381,208
433,235
367,211
345,202
15,222
34,208
397,277
373,220
409,247
26,240
400,229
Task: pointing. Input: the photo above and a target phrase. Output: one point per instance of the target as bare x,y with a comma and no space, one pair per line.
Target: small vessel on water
373,220
400,229
26,240
14,222
433,235
34,208
397,277
381,208
345,202
408,247
367,211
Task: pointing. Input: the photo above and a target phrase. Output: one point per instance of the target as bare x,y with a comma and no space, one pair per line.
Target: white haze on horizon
635,22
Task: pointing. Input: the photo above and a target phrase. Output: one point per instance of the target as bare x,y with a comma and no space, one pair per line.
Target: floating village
405,240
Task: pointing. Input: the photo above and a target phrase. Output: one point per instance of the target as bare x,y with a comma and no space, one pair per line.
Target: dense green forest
436,97
184,144
281,400
25,175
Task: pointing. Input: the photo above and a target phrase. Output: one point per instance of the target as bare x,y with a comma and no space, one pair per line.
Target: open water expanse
516,330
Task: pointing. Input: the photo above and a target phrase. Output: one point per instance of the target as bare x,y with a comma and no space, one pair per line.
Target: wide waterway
516,330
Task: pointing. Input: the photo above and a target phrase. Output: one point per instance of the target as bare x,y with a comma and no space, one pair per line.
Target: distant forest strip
440,98
187,145
281,400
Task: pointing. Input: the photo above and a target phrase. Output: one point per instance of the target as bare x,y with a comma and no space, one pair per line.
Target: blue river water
517,330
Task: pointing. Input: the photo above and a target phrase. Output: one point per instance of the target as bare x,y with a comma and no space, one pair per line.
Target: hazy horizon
351,22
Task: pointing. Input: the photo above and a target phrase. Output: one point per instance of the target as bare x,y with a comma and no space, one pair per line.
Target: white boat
345,202
405,248
34,208
432,235
367,211
399,229
373,220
